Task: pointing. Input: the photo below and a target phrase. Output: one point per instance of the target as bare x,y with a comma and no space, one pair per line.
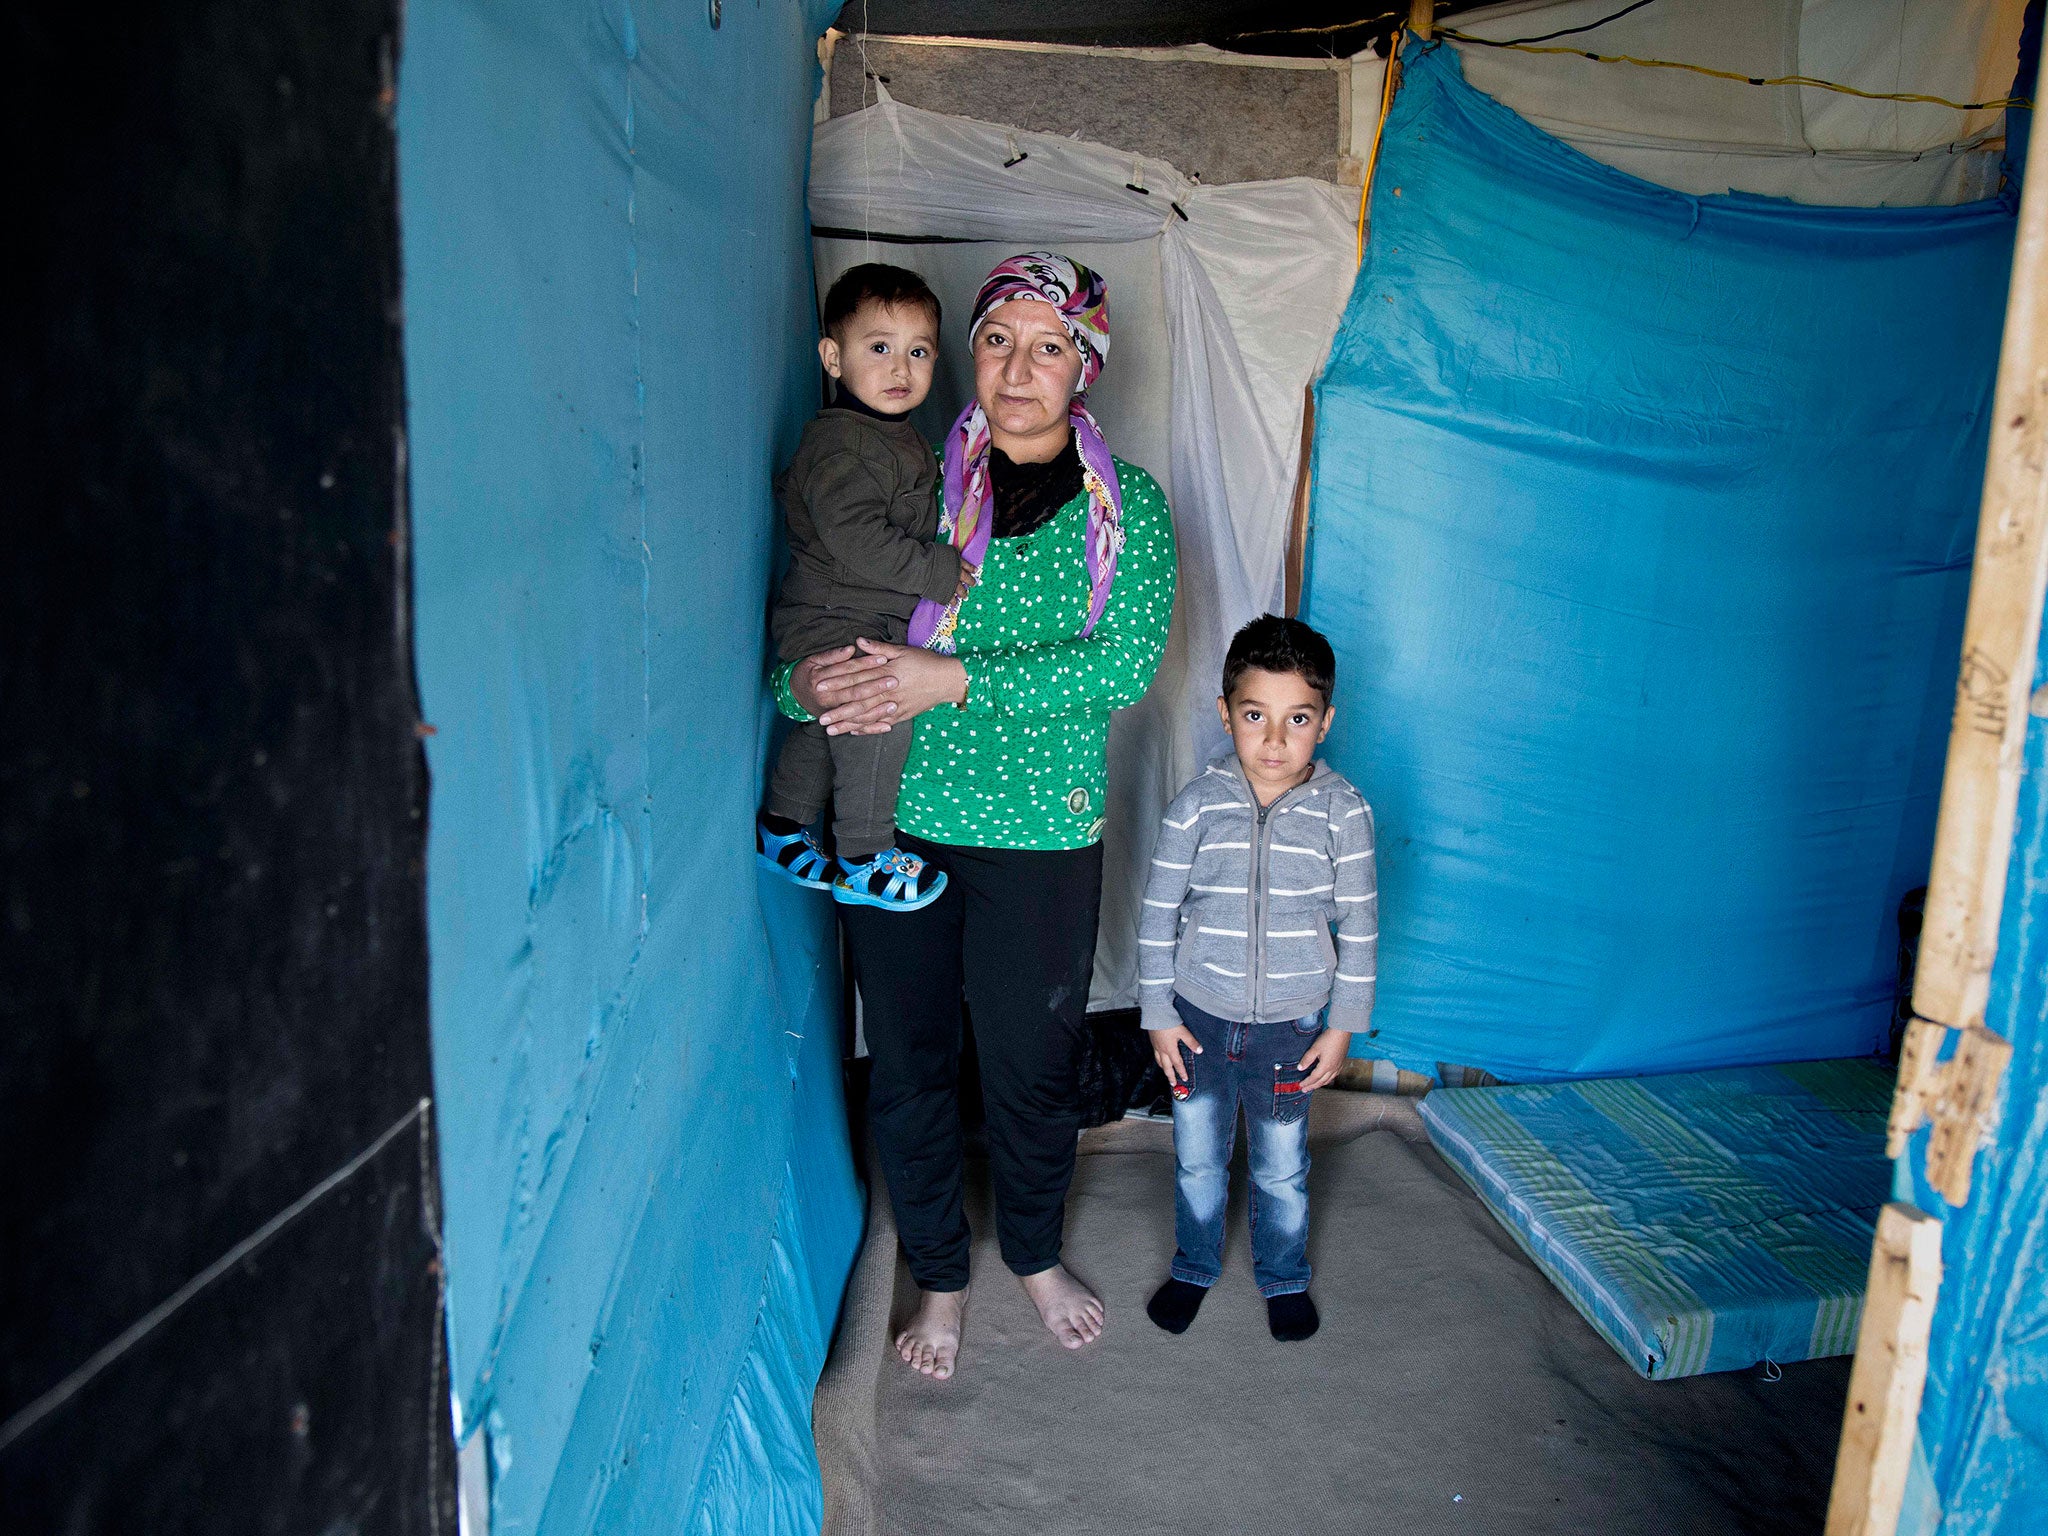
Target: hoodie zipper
1255,938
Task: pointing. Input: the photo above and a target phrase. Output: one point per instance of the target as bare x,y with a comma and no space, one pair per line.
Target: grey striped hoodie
1241,899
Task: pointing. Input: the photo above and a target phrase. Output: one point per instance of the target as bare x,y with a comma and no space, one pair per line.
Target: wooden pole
1422,18
1965,895
1297,525
1980,787
1891,1369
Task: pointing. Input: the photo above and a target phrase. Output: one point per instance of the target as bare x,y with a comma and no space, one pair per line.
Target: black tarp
218,1298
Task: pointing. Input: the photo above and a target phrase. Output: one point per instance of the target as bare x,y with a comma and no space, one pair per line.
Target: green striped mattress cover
1702,1221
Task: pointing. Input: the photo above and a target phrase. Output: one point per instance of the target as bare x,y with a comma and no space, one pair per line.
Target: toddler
1255,860
861,501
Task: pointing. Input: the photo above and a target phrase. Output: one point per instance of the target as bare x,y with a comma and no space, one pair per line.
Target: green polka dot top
1023,763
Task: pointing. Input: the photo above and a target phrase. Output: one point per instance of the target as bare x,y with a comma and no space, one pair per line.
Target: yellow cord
1808,81
1372,159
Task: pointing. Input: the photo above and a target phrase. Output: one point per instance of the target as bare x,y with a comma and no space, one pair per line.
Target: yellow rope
1808,81
1372,159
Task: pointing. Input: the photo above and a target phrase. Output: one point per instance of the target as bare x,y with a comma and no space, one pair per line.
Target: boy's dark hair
873,282
1273,644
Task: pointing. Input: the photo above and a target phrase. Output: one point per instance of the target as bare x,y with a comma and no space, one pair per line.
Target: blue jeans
1250,1065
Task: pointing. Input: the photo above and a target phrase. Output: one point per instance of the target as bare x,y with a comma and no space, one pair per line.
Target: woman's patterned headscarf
1072,289
966,519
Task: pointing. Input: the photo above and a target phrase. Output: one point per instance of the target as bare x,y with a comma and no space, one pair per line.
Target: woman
1012,686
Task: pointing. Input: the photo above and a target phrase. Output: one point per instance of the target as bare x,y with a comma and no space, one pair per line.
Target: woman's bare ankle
930,1342
1071,1312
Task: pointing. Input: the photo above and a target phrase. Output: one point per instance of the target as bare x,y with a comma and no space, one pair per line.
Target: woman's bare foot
1067,1306
930,1344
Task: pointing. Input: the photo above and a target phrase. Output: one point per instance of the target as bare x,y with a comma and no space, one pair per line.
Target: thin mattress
1703,1221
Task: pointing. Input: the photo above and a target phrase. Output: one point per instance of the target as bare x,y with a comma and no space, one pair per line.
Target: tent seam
640,477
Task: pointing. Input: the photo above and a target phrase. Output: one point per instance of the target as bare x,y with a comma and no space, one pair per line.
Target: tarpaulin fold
1642,525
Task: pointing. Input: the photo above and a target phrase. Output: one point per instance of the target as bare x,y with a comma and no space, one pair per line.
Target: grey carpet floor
1452,1389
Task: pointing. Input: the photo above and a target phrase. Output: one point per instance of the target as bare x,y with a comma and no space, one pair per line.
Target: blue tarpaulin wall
650,1209
1642,526
1980,1467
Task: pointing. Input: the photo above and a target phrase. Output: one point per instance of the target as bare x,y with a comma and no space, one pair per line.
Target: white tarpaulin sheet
1703,135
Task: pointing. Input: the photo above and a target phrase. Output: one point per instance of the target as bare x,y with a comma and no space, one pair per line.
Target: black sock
1292,1316
780,826
1174,1305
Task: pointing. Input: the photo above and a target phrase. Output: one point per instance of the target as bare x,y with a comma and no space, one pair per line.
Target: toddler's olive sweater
1023,764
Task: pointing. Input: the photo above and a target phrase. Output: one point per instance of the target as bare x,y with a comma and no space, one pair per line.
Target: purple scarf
967,516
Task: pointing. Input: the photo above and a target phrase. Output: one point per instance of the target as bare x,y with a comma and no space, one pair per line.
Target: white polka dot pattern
1023,764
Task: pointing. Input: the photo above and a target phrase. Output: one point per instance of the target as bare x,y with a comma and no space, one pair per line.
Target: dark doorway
219,1303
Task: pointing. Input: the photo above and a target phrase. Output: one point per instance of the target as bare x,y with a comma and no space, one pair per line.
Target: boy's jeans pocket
1290,1098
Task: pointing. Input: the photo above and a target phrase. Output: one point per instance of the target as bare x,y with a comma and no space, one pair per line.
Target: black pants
1014,930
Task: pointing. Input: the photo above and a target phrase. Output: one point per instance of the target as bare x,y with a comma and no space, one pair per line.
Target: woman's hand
863,689
818,681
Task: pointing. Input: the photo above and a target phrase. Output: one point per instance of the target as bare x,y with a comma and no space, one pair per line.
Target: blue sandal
893,879
797,857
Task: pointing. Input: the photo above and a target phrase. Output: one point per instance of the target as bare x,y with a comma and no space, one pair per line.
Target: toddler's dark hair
1273,644
873,282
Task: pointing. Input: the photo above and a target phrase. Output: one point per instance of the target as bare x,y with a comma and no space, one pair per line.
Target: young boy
861,500
1255,860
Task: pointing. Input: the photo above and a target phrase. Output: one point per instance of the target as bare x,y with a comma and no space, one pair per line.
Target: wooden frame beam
1891,1369
1958,1096
2001,630
1965,897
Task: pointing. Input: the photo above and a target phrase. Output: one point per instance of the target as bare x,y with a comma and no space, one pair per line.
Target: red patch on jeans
1288,1088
